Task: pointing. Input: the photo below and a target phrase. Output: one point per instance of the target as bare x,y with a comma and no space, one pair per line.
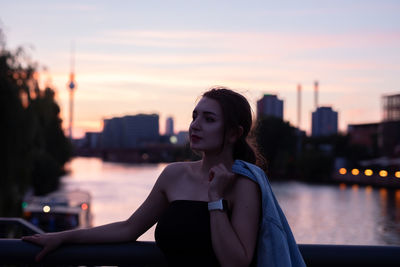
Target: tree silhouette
33,143
276,141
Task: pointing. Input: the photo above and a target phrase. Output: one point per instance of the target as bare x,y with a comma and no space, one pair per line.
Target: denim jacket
276,244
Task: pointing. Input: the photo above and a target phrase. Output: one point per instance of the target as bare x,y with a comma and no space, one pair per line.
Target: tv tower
72,87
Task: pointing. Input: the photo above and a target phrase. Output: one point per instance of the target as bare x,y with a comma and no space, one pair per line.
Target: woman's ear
235,134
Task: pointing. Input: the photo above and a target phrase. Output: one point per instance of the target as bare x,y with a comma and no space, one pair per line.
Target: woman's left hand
220,178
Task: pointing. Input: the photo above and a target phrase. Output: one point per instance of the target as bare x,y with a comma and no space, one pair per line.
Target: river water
318,214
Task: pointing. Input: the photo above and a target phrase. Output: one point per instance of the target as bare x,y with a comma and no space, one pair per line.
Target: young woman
207,215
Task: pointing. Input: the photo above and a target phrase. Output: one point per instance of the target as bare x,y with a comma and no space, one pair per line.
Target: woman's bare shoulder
173,174
246,188
179,168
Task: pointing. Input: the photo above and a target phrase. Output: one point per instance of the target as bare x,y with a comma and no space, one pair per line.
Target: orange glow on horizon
342,171
355,172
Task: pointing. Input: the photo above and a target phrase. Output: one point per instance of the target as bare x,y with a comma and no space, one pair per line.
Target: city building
270,105
92,140
182,137
363,134
389,138
391,107
389,130
130,131
324,122
112,133
169,126
383,136
366,135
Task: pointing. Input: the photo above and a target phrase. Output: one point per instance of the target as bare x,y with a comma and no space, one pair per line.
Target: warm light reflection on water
339,215
117,189
323,214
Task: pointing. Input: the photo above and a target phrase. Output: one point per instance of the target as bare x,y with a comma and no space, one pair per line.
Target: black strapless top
183,234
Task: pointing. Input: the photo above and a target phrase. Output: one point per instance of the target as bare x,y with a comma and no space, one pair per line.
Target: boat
59,211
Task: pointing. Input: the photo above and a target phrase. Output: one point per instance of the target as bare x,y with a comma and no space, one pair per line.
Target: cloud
70,6
163,68
243,40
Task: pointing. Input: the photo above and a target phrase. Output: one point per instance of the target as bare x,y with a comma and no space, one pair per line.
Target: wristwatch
220,204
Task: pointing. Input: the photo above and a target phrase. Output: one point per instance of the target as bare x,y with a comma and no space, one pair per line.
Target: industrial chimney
298,105
316,94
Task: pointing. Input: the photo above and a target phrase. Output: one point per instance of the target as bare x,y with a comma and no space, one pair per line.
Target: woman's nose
195,124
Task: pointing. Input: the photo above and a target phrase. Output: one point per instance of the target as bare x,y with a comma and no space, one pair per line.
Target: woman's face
207,127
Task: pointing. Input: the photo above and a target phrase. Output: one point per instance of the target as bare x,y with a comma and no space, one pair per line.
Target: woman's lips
195,138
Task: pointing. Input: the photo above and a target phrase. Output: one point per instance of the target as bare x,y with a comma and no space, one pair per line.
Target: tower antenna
72,88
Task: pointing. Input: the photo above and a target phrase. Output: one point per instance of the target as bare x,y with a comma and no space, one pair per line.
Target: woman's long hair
236,112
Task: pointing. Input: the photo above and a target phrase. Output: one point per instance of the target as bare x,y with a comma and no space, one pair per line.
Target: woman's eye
210,119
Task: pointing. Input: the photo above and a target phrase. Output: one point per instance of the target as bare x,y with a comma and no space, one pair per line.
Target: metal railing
16,227
16,251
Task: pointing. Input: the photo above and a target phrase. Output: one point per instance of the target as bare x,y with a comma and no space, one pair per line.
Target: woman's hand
49,242
220,179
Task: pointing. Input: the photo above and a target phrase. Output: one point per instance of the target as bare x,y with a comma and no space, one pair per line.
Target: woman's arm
129,230
234,241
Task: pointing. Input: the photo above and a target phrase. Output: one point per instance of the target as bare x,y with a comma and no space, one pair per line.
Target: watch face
221,204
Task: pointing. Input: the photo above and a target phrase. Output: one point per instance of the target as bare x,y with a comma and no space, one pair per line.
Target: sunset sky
159,56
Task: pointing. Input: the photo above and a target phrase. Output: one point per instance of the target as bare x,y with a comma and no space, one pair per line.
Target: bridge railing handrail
146,253
22,224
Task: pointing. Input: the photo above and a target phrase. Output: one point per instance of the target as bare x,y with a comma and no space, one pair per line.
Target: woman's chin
195,147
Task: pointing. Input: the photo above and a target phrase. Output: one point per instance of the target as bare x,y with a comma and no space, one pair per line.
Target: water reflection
397,197
117,189
323,214
341,214
389,227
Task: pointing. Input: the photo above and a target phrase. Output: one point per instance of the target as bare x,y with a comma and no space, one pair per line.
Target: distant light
173,139
368,172
84,206
145,156
355,171
24,205
46,208
342,171
383,173
397,174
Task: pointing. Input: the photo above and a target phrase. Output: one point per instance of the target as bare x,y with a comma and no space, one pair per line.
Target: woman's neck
210,160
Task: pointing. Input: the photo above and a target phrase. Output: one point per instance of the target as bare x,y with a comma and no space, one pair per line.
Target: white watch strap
216,205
